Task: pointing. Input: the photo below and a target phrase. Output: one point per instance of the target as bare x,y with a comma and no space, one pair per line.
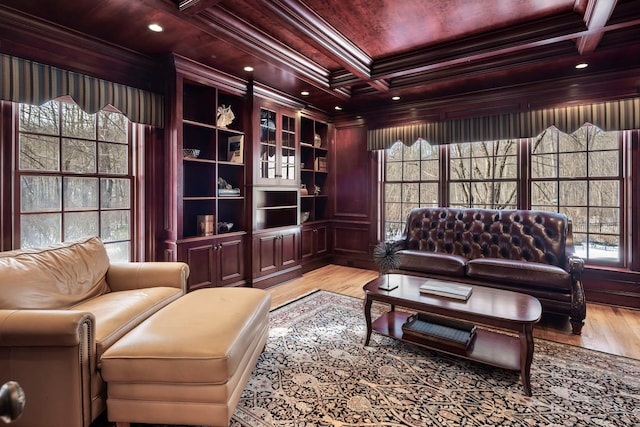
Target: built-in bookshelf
213,169
207,219
314,169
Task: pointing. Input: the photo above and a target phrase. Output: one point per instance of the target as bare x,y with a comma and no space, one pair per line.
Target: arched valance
608,116
33,83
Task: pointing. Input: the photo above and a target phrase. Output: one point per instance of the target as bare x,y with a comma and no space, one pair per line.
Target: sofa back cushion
523,235
54,277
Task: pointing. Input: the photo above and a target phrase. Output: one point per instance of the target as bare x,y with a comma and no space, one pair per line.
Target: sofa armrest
139,275
575,266
51,353
44,328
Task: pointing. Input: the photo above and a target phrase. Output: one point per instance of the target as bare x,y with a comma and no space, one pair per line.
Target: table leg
367,316
526,357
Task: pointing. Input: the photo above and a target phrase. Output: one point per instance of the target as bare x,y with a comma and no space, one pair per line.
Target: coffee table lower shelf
488,347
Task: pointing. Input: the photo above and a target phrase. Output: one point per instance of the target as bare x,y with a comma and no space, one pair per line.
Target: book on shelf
451,332
446,289
235,149
321,164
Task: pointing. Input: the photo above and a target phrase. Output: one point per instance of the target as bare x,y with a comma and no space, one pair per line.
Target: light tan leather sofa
61,307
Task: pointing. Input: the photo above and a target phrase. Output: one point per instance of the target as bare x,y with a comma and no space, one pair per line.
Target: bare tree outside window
75,176
581,176
483,175
411,180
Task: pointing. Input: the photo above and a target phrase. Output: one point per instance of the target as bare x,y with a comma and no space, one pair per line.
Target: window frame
130,176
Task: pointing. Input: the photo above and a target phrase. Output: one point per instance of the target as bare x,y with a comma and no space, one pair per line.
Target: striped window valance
608,116
29,82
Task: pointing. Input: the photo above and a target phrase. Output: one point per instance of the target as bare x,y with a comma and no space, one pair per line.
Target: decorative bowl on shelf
190,153
224,227
304,217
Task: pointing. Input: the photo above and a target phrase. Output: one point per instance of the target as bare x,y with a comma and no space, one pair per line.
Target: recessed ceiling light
248,68
304,93
156,28
395,98
338,108
582,65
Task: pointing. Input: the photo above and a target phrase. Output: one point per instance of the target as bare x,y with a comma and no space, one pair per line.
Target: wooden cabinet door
230,261
320,239
266,256
307,242
218,261
289,248
277,150
200,256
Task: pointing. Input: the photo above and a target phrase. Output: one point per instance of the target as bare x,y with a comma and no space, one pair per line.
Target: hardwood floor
608,329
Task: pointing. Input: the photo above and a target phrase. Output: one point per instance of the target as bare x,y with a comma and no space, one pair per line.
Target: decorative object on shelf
224,227
226,189
190,153
303,190
385,254
235,149
321,164
205,225
304,217
225,116
316,190
317,141
222,183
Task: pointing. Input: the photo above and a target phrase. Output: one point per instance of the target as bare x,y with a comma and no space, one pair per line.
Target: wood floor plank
608,329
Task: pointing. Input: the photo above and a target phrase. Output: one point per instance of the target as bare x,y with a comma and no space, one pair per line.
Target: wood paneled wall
354,221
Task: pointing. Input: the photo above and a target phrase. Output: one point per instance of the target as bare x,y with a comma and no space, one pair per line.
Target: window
411,180
75,177
483,175
580,175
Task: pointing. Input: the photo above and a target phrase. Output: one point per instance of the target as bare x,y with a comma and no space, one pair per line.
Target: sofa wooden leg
576,326
123,424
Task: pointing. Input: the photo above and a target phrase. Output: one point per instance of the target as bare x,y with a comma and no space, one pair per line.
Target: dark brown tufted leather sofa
519,250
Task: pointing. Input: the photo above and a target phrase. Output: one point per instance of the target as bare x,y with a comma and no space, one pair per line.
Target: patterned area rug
316,372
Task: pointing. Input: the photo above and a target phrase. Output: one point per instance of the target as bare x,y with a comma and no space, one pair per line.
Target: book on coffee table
452,332
446,289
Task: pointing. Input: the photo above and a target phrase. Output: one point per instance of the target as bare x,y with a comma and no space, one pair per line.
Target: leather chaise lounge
70,320
61,307
524,251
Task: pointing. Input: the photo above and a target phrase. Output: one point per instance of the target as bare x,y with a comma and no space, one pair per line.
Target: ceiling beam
498,63
328,39
312,25
596,16
513,39
191,7
546,31
223,24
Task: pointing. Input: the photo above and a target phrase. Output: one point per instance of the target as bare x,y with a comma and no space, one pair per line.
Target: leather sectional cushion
117,313
199,338
432,262
55,277
520,273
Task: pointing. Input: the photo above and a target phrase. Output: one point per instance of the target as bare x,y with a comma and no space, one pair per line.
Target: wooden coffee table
496,308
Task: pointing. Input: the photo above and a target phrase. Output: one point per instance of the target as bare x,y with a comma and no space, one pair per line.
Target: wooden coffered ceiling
442,58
